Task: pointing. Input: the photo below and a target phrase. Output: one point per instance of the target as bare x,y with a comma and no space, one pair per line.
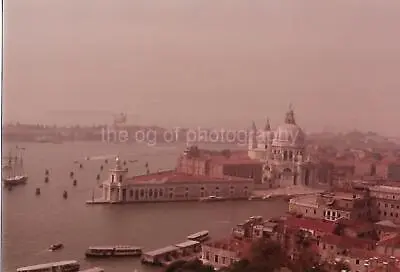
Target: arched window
120,178
141,193
112,178
131,193
150,192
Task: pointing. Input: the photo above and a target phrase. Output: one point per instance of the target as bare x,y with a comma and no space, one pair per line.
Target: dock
186,250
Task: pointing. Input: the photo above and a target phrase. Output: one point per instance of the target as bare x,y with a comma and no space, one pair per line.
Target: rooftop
345,242
311,224
172,176
385,189
392,240
240,247
305,200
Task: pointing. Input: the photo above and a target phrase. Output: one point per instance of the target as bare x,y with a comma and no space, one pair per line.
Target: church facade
283,154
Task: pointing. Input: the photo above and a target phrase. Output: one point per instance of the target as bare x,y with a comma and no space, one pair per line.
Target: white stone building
283,153
170,186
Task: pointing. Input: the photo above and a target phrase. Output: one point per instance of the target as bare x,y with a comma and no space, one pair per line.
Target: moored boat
200,236
56,247
93,269
13,169
212,198
64,266
114,251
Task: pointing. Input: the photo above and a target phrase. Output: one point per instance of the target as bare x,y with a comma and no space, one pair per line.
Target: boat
93,269
200,236
64,266
37,191
55,247
114,251
13,169
65,194
212,198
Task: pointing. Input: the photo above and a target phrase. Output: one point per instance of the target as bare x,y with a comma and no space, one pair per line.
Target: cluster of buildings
275,159
363,246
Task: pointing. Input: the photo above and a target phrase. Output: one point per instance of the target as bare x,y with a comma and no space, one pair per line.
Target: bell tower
117,174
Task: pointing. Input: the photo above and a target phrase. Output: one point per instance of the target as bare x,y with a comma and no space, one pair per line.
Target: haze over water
32,223
204,63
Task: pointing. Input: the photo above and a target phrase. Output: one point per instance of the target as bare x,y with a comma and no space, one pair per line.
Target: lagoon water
32,223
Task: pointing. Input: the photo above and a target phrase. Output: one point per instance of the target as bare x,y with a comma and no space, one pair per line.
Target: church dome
289,134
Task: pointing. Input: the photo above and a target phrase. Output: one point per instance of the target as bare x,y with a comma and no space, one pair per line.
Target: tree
189,266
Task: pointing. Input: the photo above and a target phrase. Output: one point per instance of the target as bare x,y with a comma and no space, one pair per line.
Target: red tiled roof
240,247
358,225
392,241
311,224
171,176
347,242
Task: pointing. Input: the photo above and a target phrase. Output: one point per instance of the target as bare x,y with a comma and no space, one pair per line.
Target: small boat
114,251
254,197
65,194
66,266
46,179
71,174
75,182
56,247
37,191
101,167
200,236
212,198
266,197
98,177
46,172
80,166
93,269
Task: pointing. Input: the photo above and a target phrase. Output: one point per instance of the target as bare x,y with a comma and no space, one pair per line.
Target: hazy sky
204,62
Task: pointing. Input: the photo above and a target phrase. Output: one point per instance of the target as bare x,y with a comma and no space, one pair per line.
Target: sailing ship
13,169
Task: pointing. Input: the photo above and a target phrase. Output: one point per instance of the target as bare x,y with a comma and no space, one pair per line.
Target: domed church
282,152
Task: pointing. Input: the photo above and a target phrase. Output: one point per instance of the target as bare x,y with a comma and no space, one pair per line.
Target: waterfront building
224,252
332,206
170,186
386,202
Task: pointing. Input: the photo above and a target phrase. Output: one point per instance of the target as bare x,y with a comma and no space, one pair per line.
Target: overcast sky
204,62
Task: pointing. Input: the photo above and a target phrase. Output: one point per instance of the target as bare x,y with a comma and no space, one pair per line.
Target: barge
64,266
200,236
113,251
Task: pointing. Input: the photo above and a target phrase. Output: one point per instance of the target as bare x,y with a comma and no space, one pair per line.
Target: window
161,192
384,213
155,193
120,178
223,260
357,261
386,205
150,192
315,211
112,178
207,255
392,206
216,258
131,193
306,211
141,193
